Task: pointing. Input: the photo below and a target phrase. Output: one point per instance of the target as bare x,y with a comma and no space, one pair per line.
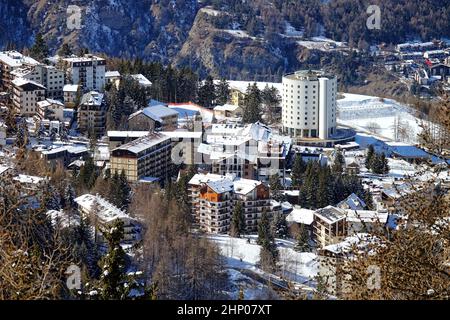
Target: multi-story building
309,104
92,113
26,95
53,109
2,134
9,62
252,151
71,92
213,198
154,117
103,214
87,71
48,76
147,158
329,225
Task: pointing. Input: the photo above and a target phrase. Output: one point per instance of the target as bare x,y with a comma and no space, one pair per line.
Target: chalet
159,117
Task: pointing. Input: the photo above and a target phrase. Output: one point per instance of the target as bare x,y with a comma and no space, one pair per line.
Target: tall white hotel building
309,104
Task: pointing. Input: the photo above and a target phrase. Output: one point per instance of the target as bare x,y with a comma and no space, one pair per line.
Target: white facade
309,104
26,95
88,71
50,77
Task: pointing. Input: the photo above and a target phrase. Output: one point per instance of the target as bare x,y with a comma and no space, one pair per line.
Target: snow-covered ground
379,116
242,85
298,267
321,43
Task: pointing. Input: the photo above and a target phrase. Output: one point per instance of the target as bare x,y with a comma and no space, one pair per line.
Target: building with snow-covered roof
352,202
88,71
213,198
71,92
148,156
113,78
227,111
156,117
54,109
329,225
104,213
26,95
92,113
142,80
9,62
365,221
250,151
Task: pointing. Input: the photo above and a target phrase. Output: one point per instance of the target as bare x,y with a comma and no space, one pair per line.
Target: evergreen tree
275,187
206,93
298,169
52,199
338,163
384,164
39,50
279,226
269,252
124,191
113,280
222,92
252,105
65,50
302,237
369,156
238,226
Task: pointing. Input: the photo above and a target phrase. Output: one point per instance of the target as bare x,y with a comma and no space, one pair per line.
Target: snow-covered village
124,178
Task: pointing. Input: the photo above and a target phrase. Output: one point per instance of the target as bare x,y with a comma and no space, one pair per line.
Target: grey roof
331,214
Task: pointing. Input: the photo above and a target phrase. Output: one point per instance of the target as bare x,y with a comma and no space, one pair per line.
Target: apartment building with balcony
329,225
26,95
9,62
250,151
147,158
213,198
48,76
87,71
92,113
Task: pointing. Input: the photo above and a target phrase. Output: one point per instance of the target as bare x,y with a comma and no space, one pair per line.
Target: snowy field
379,116
240,255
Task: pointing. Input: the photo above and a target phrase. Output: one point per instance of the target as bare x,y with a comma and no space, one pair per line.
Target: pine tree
279,226
252,105
384,164
206,93
113,265
222,92
298,169
269,252
124,191
65,50
237,221
338,163
302,237
275,187
39,50
369,156
52,199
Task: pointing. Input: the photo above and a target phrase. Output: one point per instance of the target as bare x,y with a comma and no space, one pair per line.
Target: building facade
213,198
146,158
26,95
9,62
92,113
309,104
87,71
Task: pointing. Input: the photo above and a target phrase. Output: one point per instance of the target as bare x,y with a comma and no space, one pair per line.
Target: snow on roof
63,219
71,88
226,107
221,186
301,215
127,134
23,178
156,112
112,74
330,214
92,98
49,102
352,202
368,216
106,211
183,134
85,58
143,143
19,82
244,186
361,240
143,81
16,59
200,178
